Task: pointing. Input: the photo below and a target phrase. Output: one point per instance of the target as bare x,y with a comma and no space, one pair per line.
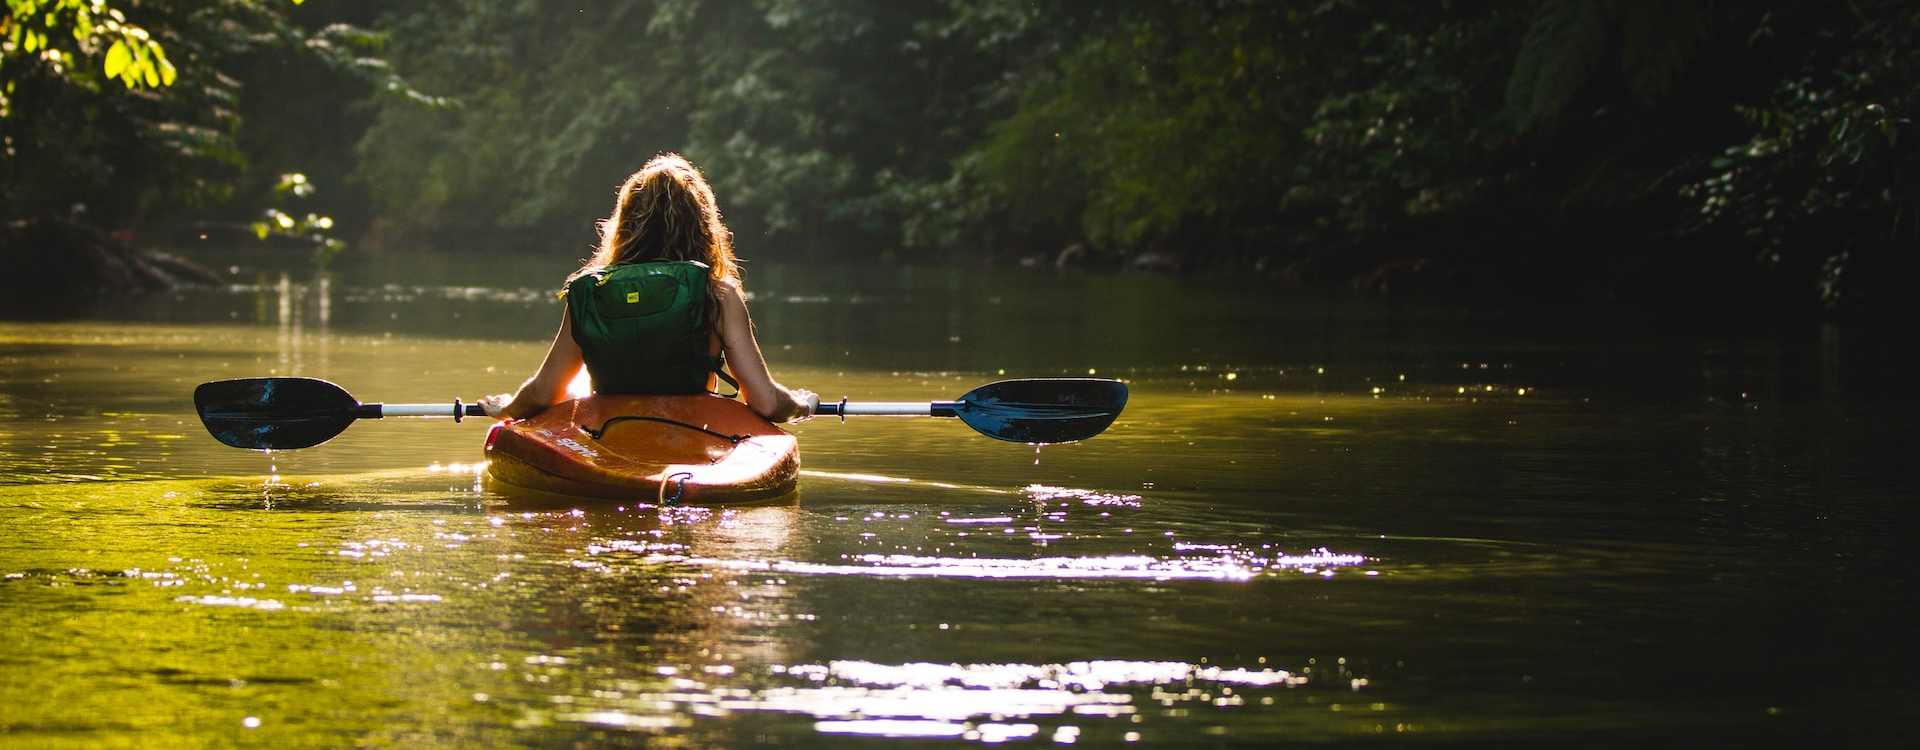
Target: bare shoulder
730,308
729,293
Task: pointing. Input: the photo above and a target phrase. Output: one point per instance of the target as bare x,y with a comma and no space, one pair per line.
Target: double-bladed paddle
288,413
1033,410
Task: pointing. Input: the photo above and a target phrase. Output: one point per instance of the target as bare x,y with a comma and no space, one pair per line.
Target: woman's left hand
805,404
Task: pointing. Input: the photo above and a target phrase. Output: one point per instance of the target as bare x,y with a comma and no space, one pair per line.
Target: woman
657,305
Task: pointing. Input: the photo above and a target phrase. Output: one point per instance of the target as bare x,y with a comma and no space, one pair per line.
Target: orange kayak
687,449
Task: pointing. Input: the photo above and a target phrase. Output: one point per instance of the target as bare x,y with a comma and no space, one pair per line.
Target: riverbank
66,264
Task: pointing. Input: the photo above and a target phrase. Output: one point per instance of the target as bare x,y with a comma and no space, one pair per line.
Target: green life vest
643,327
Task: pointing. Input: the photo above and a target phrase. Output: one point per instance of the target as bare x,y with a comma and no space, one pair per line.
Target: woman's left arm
548,386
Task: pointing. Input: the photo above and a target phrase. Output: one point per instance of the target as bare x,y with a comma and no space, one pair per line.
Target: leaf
1659,42
1564,45
260,229
167,72
117,58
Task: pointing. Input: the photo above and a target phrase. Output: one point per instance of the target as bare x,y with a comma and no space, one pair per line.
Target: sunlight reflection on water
982,702
1117,566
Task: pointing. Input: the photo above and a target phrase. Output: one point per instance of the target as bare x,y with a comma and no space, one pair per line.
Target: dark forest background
1687,152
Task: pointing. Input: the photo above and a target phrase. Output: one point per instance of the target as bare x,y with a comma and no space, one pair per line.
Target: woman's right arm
548,386
767,398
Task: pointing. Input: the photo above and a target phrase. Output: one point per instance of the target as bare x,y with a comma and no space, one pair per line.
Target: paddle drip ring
679,481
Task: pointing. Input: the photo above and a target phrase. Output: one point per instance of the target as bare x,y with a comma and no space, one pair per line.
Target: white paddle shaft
455,410
888,408
851,408
443,409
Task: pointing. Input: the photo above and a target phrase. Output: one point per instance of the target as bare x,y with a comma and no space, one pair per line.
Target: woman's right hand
496,404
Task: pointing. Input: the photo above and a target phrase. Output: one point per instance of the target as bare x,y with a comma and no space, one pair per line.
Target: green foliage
1405,133
1142,131
543,114
1564,45
1822,188
1660,43
1219,129
121,156
1333,134
171,147
317,229
58,36
797,112
803,157
1569,43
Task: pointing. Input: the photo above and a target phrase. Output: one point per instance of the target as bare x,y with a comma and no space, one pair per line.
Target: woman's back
644,327
657,302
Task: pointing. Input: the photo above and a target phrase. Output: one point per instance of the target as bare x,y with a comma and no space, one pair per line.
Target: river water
1319,520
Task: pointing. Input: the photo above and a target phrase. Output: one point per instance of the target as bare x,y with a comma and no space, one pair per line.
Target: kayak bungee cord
604,426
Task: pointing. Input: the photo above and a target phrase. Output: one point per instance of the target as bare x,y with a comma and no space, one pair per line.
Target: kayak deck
702,448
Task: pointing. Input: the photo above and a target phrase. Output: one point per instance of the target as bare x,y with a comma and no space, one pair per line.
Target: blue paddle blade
274,413
1043,410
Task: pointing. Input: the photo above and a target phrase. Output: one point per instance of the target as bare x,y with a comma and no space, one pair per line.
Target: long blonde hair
666,211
